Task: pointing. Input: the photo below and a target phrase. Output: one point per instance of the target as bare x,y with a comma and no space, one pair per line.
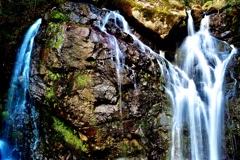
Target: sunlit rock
159,16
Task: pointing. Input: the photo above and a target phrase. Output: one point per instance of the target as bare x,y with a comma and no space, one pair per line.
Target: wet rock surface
75,85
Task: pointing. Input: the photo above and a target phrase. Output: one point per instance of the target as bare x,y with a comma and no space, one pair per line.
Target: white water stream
17,105
198,97
195,88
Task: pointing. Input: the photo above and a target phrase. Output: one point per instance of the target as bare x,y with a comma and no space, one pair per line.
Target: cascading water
197,95
19,110
195,88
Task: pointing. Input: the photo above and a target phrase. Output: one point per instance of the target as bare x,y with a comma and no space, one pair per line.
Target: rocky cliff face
86,110
75,84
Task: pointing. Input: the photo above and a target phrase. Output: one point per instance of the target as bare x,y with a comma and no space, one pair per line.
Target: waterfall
198,98
194,85
4,151
20,111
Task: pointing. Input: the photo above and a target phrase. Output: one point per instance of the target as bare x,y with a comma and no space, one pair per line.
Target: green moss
55,33
52,28
50,44
92,122
82,80
50,93
207,4
53,76
163,11
146,75
183,24
68,135
218,5
93,63
150,12
59,43
59,17
124,148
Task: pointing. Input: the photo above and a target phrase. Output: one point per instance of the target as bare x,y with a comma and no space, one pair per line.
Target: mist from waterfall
195,88
20,111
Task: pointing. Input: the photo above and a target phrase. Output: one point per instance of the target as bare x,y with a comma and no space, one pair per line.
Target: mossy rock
58,17
214,5
55,32
68,135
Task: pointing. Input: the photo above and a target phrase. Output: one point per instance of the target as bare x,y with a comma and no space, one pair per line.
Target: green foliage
69,136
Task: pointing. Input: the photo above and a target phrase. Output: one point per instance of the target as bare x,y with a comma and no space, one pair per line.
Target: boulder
86,109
